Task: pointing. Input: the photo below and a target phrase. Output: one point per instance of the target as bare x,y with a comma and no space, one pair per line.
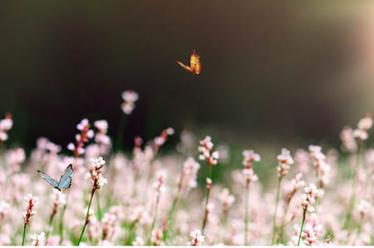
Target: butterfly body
195,64
63,183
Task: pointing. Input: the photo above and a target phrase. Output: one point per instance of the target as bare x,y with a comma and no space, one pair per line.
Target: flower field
317,196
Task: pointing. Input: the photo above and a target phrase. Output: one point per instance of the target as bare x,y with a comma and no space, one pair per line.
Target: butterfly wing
49,179
186,67
195,63
66,178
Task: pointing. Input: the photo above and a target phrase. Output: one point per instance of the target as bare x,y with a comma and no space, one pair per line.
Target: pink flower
38,239
190,169
95,173
5,125
348,138
30,208
129,97
309,197
285,161
206,153
197,238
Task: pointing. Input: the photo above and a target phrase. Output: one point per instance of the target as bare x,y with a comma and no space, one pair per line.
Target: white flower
250,156
101,125
129,97
348,138
197,238
205,149
285,161
38,239
309,197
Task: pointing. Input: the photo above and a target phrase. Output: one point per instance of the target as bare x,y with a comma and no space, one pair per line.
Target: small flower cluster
59,200
285,161
5,125
15,158
80,139
109,226
189,174
291,187
320,164
160,140
205,148
129,98
38,239
159,185
95,173
30,208
227,200
311,232
101,137
311,193
197,238
363,126
348,139
249,156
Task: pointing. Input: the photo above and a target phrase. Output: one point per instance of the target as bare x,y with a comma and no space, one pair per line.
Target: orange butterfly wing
186,67
195,64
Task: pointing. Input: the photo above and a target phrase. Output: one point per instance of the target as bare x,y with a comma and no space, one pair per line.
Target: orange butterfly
195,64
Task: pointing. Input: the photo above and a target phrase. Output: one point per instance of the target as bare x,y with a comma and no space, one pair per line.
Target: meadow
91,192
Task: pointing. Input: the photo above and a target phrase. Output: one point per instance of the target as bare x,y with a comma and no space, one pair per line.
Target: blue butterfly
63,183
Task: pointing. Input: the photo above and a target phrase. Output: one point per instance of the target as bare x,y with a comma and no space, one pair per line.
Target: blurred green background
274,72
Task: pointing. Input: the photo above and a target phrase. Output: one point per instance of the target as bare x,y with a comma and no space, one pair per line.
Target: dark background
273,71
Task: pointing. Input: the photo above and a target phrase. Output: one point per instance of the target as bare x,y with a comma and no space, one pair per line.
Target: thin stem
87,216
50,225
120,133
205,219
98,208
246,219
170,219
155,214
61,225
283,224
353,195
24,234
301,228
275,211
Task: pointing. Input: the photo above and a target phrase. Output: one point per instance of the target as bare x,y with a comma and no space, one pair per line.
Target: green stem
246,219
120,133
49,226
24,234
98,208
155,214
353,195
61,225
275,211
170,219
87,216
301,228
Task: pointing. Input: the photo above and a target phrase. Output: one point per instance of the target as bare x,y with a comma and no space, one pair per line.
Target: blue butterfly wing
66,178
49,179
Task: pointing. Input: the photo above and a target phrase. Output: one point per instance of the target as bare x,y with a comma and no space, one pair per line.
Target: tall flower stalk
249,156
78,149
285,161
98,181
207,154
58,201
187,180
30,211
159,187
311,193
355,144
129,99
